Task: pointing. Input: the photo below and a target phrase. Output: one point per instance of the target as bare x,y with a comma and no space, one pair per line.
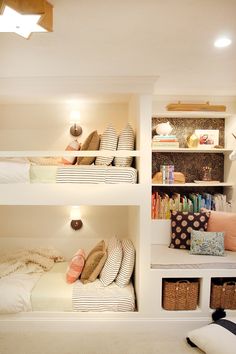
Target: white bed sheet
52,293
14,171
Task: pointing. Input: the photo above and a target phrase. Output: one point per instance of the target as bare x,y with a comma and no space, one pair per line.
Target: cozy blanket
29,261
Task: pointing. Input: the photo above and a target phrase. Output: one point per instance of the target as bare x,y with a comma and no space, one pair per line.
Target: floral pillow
182,223
207,243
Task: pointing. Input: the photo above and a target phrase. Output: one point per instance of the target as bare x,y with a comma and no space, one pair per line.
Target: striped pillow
113,262
108,142
73,146
75,266
126,142
127,264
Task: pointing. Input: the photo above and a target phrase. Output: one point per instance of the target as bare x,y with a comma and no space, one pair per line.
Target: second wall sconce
75,129
76,222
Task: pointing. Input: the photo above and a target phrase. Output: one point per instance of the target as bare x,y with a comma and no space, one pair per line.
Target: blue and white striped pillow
127,264
108,142
125,142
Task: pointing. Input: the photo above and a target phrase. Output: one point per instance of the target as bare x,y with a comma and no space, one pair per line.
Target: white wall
46,126
30,226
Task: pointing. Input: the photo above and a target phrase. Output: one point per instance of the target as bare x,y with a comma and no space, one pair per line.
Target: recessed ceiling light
222,42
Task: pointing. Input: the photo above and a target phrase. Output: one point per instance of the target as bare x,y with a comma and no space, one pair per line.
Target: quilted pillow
90,143
108,142
113,262
226,222
73,146
75,266
182,223
94,263
127,264
125,142
207,243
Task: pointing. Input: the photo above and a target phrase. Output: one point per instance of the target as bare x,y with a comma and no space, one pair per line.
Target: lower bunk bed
41,280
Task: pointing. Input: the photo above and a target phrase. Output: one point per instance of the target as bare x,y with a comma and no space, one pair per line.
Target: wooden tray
195,107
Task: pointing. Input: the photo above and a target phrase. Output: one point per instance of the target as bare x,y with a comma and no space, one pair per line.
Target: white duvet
15,292
14,171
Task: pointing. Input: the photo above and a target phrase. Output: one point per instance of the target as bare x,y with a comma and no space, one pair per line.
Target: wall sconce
26,16
75,129
76,222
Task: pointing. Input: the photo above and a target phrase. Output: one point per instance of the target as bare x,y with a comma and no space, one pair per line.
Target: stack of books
165,141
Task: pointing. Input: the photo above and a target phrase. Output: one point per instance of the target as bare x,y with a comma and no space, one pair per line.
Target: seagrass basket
180,295
223,295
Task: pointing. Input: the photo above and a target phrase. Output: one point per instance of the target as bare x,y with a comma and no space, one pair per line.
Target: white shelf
192,114
42,153
190,150
205,184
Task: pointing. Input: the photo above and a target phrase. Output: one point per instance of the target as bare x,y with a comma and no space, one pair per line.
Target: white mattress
82,174
164,257
52,293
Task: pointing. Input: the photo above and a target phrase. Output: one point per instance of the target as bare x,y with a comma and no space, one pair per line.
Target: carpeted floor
58,342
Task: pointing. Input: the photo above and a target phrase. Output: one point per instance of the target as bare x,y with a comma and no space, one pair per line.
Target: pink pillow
73,146
75,266
226,222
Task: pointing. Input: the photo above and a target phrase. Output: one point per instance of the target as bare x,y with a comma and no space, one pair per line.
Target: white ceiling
168,39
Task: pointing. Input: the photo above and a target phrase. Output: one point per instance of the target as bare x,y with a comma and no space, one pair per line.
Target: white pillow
125,142
113,262
127,264
108,142
214,339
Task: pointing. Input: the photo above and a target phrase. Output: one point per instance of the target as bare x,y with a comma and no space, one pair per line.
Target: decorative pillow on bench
224,222
207,243
182,223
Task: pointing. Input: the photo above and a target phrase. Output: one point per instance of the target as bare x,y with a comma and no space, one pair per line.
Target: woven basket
180,295
223,295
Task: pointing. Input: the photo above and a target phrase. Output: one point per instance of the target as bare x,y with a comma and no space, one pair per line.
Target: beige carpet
42,342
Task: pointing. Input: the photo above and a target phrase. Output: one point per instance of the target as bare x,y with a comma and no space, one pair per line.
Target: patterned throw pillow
207,243
75,266
125,142
127,264
108,142
73,146
94,263
113,262
90,143
182,223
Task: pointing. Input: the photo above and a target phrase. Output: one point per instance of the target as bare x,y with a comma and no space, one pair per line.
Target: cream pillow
127,264
125,142
113,262
108,142
94,263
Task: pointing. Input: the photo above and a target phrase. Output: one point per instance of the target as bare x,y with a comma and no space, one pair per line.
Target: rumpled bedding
19,273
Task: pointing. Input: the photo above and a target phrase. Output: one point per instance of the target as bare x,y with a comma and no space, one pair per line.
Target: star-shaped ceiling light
25,16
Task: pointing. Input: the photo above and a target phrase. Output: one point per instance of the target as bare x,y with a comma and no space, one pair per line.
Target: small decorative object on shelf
195,107
192,141
208,138
164,128
178,178
206,173
167,172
